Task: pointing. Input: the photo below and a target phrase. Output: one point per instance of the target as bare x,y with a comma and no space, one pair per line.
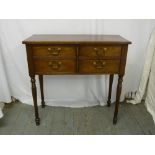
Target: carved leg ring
34,94
119,88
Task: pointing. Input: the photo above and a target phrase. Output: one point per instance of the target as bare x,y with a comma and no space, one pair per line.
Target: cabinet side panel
30,59
123,59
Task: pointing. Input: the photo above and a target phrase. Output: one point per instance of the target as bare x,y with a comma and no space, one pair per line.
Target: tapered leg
34,94
119,88
41,90
110,89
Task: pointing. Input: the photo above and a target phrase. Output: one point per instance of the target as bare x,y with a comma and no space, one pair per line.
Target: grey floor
133,119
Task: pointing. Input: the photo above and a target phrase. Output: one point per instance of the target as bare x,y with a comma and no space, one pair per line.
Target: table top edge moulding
76,54
75,38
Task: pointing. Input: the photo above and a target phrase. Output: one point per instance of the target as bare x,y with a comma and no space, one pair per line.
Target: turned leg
110,89
34,94
119,88
41,90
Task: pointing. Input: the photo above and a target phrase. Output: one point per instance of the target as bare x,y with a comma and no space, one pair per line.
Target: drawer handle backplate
100,51
55,65
99,64
54,51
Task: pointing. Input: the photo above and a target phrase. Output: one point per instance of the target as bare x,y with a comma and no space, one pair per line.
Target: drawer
54,66
54,51
99,66
100,51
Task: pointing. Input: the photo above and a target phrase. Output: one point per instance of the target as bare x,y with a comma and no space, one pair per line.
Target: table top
75,39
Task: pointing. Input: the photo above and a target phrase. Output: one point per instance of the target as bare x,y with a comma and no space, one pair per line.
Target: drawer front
54,51
54,66
99,66
100,51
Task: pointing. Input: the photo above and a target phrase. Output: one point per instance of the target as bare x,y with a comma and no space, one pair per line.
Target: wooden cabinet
76,54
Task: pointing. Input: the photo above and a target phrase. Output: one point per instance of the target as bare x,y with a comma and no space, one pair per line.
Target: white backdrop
147,82
72,91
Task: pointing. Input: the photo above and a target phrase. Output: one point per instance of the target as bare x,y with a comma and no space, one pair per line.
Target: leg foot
43,104
114,120
108,103
37,120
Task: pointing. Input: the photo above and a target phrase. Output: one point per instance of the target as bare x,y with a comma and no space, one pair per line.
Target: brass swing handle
100,51
99,64
54,51
55,65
